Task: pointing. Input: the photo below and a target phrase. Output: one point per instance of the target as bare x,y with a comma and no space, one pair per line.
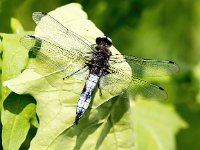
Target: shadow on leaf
102,120
15,103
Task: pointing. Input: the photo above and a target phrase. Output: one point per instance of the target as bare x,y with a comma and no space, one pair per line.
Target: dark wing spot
34,50
161,88
32,36
44,13
171,62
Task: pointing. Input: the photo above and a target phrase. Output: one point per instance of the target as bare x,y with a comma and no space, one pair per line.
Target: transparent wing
52,59
146,67
118,82
113,84
146,89
59,33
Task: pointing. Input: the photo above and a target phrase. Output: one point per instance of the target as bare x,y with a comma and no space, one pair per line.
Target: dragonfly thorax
99,62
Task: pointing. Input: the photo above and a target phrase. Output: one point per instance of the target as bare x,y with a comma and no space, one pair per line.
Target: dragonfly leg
74,73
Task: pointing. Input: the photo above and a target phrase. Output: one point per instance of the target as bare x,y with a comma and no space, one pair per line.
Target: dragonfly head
104,40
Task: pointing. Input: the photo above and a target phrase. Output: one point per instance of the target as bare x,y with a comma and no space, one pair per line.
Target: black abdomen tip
76,122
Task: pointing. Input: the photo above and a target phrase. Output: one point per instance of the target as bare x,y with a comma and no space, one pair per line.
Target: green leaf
14,57
16,26
197,76
17,110
155,125
1,52
16,116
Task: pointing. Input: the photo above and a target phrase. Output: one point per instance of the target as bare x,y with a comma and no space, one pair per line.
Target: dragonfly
72,55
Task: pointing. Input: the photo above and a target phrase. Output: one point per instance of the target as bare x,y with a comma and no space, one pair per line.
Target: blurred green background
149,29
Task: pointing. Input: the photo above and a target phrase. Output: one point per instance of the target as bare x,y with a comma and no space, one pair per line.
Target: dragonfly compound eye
104,39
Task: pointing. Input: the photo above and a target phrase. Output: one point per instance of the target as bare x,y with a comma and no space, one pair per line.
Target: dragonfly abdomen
86,96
